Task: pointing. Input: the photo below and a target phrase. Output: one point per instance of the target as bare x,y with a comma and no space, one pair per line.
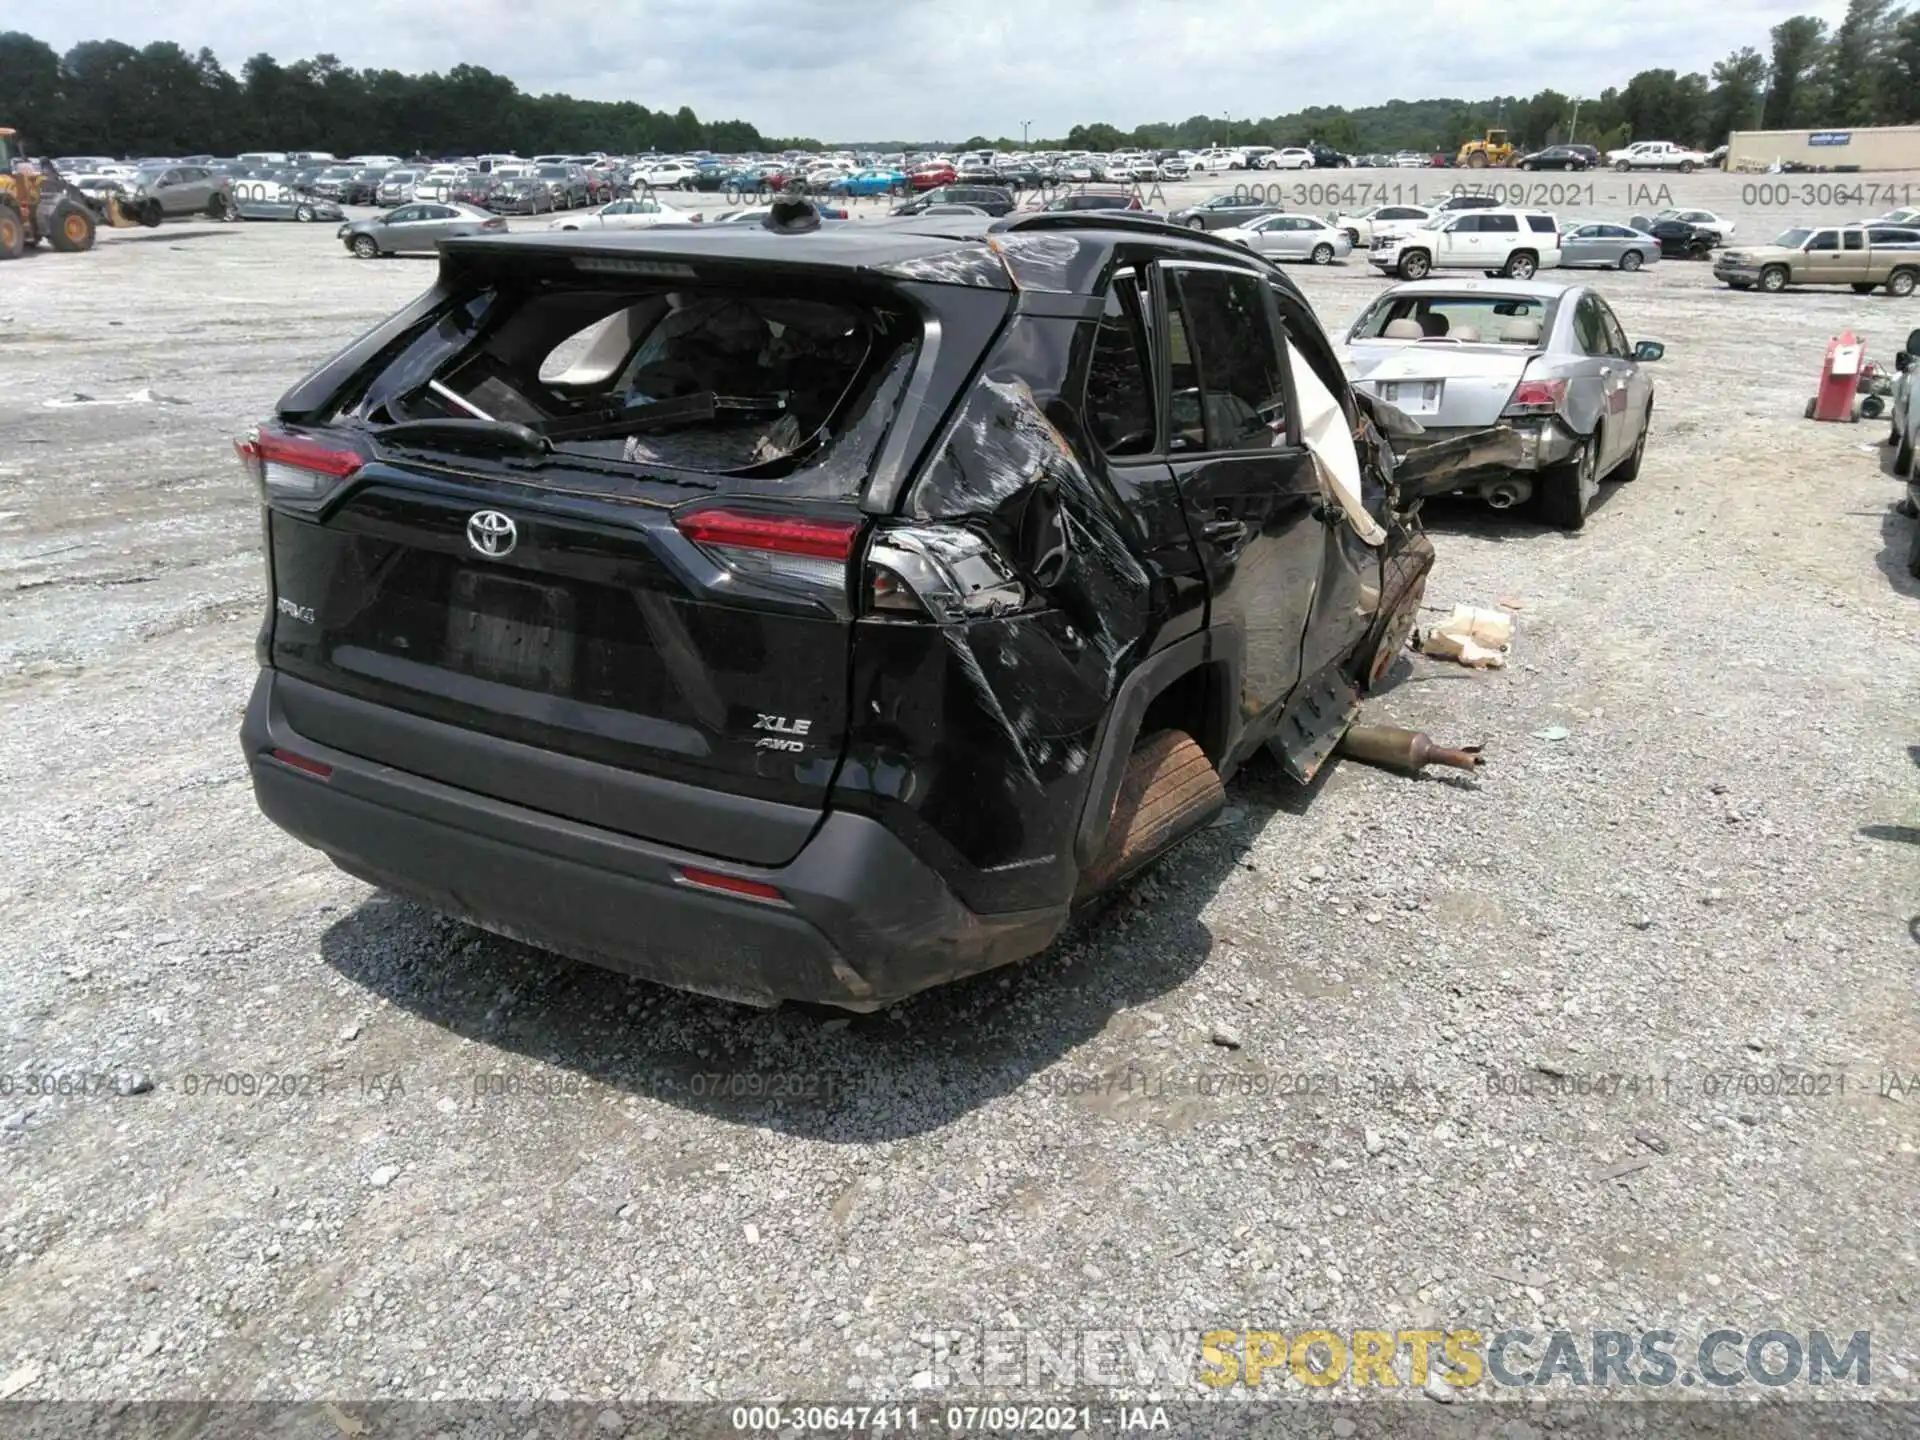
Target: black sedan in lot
1678,239
1222,212
1556,157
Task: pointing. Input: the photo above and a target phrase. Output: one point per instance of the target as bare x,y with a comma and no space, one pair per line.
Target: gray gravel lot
1304,1074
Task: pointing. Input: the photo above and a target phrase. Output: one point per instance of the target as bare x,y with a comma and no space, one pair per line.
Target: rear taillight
496,223
289,467
783,547
1537,397
939,572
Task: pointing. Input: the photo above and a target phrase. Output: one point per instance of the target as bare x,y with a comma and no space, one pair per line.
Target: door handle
1227,531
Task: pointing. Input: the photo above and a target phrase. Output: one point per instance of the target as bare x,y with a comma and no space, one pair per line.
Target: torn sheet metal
1329,439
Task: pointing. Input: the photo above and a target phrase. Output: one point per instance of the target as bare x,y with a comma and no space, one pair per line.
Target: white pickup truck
1657,155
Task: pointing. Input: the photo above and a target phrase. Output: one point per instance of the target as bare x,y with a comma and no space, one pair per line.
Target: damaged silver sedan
1522,392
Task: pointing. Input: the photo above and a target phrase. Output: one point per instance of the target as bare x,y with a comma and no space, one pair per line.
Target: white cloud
873,69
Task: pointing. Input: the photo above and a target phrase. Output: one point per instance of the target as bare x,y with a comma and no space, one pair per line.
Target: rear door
1638,388
1246,481
1606,373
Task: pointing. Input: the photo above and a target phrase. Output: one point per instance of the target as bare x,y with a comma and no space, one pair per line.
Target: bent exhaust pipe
1506,493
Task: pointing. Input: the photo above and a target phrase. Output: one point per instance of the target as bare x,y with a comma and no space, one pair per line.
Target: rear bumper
864,921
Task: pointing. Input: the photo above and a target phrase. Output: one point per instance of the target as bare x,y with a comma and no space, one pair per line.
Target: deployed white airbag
1323,425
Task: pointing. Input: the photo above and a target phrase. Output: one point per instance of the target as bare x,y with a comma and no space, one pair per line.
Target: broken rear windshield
759,383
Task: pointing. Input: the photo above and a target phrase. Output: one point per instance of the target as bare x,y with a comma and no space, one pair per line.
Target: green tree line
1865,71
107,98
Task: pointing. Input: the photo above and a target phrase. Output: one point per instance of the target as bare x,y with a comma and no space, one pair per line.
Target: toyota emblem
492,533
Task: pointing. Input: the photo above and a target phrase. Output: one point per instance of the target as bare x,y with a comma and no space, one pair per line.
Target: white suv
1515,243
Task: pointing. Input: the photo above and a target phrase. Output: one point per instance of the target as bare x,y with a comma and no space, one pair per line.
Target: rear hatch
602,509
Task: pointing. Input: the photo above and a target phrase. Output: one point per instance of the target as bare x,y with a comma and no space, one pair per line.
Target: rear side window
1589,330
1503,224
1228,380
1542,223
1119,403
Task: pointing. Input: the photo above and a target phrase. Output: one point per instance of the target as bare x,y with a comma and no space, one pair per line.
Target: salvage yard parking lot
1616,1034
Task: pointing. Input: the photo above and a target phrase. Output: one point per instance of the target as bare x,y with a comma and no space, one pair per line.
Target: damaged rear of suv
818,615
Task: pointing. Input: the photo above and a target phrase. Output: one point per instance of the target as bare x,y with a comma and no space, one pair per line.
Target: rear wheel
1477,161
13,234
1322,254
1630,260
218,207
1901,282
1521,265
72,230
1903,456
1169,790
1562,493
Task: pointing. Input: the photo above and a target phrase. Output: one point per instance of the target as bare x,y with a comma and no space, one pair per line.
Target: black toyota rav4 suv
816,615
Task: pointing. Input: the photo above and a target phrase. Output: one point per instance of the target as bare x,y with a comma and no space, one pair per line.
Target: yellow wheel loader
1479,154
37,204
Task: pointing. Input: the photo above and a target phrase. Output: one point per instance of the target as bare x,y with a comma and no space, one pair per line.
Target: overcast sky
875,69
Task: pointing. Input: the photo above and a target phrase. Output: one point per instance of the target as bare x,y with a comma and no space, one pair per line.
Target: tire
1170,788
303,213
1322,254
1561,494
1811,405
1477,161
1622,166
1630,260
1629,469
13,234
72,230
1686,167
1901,282
1196,223
364,247
218,208
1903,458
1415,265
1521,265
1913,552
1773,279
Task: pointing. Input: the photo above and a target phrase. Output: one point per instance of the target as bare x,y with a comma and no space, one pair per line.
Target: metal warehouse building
1887,147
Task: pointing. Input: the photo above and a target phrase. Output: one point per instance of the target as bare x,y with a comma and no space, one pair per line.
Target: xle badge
786,734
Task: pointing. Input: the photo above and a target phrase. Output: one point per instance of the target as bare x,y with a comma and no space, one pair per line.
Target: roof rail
1117,220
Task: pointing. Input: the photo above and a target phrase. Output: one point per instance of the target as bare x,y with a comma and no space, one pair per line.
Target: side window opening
1854,240
1588,328
1119,399
1228,379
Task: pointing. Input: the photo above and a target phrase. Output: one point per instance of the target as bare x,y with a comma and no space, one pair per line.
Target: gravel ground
1304,1074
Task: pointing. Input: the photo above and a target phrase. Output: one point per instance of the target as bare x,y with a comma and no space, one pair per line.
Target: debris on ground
1551,733
1475,637
1407,750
